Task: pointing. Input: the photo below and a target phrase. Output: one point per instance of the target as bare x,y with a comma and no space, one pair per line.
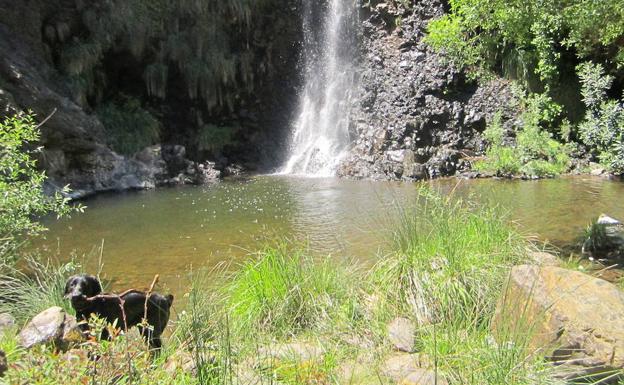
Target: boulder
605,239
412,369
360,372
295,351
401,334
542,258
52,326
207,173
572,318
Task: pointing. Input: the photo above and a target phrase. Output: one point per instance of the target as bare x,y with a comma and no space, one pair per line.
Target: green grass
27,291
284,291
447,273
449,258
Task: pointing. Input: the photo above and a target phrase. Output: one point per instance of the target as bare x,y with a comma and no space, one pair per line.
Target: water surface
171,230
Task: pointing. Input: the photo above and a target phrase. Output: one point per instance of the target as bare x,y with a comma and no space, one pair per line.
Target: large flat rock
574,319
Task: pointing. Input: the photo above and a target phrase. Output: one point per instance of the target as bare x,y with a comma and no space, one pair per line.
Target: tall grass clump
285,291
27,290
449,260
203,330
448,268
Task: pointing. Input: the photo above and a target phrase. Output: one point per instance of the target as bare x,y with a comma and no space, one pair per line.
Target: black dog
85,293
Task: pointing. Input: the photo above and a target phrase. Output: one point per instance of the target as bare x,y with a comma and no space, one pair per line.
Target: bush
214,138
121,361
603,128
535,152
480,32
129,127
22,198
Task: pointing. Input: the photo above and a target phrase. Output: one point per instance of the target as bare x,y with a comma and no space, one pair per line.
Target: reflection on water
169,230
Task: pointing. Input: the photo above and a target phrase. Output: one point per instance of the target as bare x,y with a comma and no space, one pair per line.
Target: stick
46,119
149,293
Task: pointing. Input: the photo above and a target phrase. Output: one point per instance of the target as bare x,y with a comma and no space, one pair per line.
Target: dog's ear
94,286
169,298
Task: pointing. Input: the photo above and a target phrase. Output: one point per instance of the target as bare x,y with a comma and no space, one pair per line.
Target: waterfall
321,130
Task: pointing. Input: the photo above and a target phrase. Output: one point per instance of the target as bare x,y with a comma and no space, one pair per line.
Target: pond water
170,231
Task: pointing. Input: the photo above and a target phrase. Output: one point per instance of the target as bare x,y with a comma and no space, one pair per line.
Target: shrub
480,32
214,138
22,197
603,128
535,152
129,127
121,361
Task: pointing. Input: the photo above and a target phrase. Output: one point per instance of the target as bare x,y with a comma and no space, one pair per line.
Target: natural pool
170,231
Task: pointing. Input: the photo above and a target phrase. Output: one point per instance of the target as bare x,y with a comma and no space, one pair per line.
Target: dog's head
80,287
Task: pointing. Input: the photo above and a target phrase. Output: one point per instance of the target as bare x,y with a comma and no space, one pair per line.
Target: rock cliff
418,116
52,62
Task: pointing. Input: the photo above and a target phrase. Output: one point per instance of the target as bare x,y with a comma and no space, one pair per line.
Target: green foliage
603,128
129,127
122,361
22,198
535,152
479,33
286,292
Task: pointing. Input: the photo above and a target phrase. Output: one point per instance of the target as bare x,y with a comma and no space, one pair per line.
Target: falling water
321,130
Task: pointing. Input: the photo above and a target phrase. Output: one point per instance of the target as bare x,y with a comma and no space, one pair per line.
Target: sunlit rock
605,239
52,326
572,318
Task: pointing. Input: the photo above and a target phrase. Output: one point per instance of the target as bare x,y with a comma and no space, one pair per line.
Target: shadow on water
169,230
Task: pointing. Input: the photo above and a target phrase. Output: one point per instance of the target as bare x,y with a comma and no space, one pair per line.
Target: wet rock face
76,150
417,116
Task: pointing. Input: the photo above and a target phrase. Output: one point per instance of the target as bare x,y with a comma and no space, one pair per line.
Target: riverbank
431,308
